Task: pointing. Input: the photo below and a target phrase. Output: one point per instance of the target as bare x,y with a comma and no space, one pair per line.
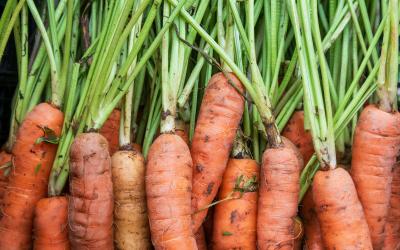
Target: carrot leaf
49,136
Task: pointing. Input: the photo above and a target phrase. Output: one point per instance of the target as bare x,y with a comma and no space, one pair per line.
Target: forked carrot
375,148
219,117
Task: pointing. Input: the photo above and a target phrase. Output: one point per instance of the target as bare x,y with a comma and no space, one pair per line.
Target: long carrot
278,196
90,207
313,236
201,239
375,148
342,220
168,189
29,176
219,117
131,225
51,224
235,220
296,133
110,130
5,158
392,229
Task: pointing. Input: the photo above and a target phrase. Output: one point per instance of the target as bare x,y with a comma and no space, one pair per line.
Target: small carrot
235,220
51,224
375,148
168,189
29,175
131,225
340,214
110,130
219,117
278,196
296,133
313,236
90,207
392,229
201,239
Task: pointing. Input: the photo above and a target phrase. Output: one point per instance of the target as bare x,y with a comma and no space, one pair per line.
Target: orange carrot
91,204
340,214
296,133
51,224
235,220
219,117
137,147
110,130
201,239
182,130
392,230
278,196
298,234
375,148
313,236
168,189
4,159
29,176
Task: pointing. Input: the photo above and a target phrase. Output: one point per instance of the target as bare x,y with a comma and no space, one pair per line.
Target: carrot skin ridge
91,203
219,118
29,176
168,190
51,224
235,221
340,213
278,196
375,148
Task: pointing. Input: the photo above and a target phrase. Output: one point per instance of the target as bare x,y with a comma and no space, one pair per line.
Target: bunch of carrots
199,124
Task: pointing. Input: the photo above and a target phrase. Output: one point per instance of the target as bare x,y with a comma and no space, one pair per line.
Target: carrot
278,196
5,158
110,130
137,147
131,226
90,207
219,117
392,230
50,224
201,239
313,236
298,234
375,148
340,214
296,133
168,189
235,220
29,176
182,130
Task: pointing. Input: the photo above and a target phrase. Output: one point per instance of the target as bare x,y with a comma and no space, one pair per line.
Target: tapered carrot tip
340,214
28,179
375,148
110,130
297,134
51,224
168,190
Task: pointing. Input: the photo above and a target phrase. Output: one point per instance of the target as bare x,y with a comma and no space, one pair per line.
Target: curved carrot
219,117
201,239
110,130
235,221
298,234
90,207
4,159
375,148
51,224
131,225
29,176
278,196
168,189
340,214
313,236
295,132
392,230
